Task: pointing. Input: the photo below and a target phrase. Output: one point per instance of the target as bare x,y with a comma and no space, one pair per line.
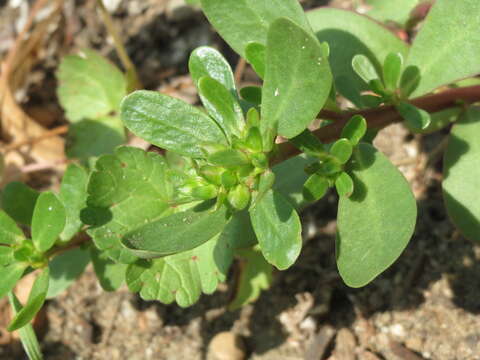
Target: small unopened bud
260,160
213,174
253,117
205,192
254,139
229,179
239,197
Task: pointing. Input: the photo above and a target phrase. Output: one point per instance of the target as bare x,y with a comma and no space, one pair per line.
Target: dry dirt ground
426,306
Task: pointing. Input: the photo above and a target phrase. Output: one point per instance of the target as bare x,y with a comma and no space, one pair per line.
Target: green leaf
342,150
48,221
397,11
18,201
377,87
65,269
350,34
409,81
170,123
176,233
9,232
344,184
255,55
371,101
239,232
91,138
222,106
207,61
89,86
440,120
229,158
364,68
461,173
327,167
253,140
184,276
10,275
34,303
315,187
110,274
376,222
253,116
125,191
392,68
6,255
240,22
290,177
255,276
252,94
355,129
297,80
278,229
417,119
73,195
447,47
27,334
265,183
308,143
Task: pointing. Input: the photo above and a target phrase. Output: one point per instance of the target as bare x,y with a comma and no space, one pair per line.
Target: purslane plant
170,224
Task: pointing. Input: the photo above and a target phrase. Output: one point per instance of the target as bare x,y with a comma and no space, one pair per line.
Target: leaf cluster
171,224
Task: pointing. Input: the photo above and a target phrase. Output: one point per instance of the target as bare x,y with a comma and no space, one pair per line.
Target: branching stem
378,118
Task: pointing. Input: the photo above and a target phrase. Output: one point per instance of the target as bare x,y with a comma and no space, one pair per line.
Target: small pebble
226,346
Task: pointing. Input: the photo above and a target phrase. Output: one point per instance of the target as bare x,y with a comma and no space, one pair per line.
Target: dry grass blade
15,124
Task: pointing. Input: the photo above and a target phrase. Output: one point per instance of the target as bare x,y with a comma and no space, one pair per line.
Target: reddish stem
378,118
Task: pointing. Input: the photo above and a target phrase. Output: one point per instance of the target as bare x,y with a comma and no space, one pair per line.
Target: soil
426,306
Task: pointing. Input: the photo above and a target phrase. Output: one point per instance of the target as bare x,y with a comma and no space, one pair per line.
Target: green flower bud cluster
232,174
329,171
26,252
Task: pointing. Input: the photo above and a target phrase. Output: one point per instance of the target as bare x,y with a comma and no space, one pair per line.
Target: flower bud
239,197
229,179
253,140
205,192
253,117
260,160
213,174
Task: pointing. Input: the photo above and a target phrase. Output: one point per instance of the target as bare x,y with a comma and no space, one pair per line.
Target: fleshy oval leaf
176,233
169,123
297,80
376,222
447,46
278,229
48,222
461,165
207,61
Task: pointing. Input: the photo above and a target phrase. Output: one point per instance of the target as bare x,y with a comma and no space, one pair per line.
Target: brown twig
80,239
7,65
378,118
239,70
48,134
